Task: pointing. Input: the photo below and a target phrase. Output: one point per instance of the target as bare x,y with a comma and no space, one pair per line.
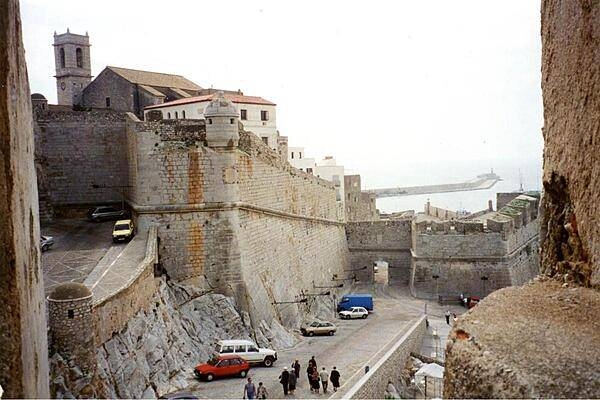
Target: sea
515,174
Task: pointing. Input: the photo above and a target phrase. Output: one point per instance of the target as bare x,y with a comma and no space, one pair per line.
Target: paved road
349,350
78,246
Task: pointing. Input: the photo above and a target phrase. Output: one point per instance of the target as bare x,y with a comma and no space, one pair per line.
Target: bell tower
73,66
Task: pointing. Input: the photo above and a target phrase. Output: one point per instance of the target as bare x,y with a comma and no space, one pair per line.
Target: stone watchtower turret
73,66
221,123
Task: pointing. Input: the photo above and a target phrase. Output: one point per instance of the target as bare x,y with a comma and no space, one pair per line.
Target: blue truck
355,300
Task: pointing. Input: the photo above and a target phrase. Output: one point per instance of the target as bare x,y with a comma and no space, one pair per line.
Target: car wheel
45,247
311,333
364,316
210,377
268,362
331,333
243,373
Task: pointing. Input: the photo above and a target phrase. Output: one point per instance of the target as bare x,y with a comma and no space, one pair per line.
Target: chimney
490,205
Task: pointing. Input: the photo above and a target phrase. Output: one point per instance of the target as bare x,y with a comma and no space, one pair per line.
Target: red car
221,366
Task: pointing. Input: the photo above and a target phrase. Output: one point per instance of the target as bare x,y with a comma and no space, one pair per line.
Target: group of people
289,379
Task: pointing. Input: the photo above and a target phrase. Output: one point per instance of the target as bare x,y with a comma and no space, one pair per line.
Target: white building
257,114
298,160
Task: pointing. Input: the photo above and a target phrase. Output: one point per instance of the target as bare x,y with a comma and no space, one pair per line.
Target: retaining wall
373,384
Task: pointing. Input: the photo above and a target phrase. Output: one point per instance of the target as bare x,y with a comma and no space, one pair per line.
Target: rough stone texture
157,350
389,366
571,85
76,149
23,342
542,340
538,340
388,241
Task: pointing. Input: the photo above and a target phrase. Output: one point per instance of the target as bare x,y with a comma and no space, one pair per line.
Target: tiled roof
152,91
155,78
236,98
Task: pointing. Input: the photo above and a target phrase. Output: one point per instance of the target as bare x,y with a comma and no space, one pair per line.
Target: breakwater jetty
481,182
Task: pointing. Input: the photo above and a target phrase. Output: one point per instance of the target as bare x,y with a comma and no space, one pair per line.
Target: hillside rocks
157,351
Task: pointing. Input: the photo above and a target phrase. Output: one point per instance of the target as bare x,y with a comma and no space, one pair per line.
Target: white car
248,350
354,312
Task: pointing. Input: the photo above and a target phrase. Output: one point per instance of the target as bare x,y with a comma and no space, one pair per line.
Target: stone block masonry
234,218
77,149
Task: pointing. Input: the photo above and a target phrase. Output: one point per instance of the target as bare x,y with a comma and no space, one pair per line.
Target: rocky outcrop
156,352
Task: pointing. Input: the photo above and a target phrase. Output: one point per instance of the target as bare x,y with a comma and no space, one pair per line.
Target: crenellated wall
234,217
475,258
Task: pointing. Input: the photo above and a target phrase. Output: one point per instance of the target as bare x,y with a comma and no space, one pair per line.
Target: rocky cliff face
157,351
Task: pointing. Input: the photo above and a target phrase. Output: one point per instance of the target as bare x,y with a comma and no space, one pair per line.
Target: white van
248,350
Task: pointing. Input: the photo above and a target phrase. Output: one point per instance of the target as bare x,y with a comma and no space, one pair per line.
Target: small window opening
71,314
210,121
176,116
183,114
244,114
265,140
107,100
62,57
231,121
169,115
264,115
79,57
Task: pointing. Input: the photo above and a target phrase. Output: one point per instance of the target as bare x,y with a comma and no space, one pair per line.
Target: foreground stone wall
77,149
374,383
388,240
23,341
541,340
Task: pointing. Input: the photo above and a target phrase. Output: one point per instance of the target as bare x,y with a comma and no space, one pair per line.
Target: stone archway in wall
380,272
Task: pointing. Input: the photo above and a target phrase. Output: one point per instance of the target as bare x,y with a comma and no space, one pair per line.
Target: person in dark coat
309,371
284,379
334,378
313,362
296,368
315,380
292,382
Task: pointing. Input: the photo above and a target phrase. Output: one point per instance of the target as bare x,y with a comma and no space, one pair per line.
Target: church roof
235,98
154,78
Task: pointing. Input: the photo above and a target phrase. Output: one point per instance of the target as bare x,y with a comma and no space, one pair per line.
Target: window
169,115
176,116
79,57
292,155
231,121
210,121
264,115
244,114
300,155
183,114
71,314
309,170
265,140
223,363
227,349
252,349
107,100
62,57
240,349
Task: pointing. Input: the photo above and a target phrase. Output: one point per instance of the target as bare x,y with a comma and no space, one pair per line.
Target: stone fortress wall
473,257
78,149
237,218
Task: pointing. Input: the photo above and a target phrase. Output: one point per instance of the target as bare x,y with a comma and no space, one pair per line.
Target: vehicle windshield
121,227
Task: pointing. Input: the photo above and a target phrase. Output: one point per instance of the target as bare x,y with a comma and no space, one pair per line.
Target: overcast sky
381,86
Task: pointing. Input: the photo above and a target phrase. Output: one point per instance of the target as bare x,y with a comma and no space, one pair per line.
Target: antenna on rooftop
520,181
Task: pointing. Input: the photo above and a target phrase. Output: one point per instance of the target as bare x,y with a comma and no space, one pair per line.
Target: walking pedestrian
324,375
447,315
315,380
292,382
313,361
296,368
261,392
249,390
284,379
334,377
454,318
309,371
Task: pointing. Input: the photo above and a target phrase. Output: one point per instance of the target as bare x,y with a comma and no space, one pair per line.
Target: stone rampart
385,240
373,384
78,149
231,217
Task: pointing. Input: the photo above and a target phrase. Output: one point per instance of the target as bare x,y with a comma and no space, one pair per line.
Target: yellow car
123,230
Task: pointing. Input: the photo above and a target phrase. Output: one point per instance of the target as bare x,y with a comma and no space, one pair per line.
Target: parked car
355,300
354,312
248,350
123,230
107,213
318,328
222,366
46,242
